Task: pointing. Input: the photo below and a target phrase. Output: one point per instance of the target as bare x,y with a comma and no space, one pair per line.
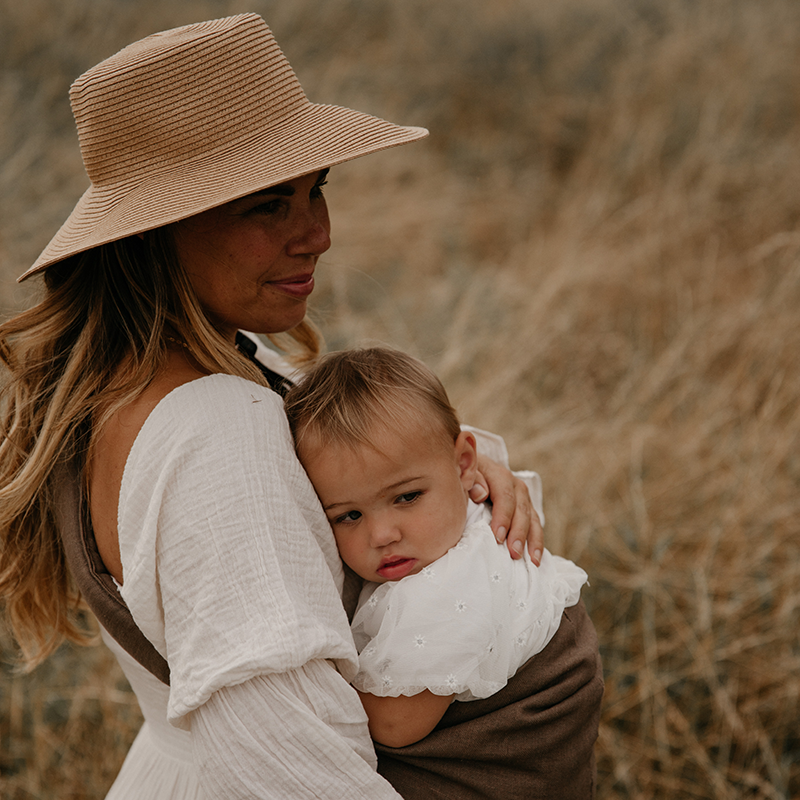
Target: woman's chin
274,324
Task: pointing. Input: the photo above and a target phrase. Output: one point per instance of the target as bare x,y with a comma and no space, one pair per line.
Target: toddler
445,613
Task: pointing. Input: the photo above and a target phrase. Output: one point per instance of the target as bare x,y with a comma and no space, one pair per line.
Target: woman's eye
316,192
270,207
408,497
350,516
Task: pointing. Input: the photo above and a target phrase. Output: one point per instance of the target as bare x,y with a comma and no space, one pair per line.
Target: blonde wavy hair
110,306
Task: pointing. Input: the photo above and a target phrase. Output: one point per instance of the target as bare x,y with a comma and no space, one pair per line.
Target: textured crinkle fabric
300,734
230,568
465,623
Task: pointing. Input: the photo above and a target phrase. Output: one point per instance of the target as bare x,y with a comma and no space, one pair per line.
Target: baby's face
397,506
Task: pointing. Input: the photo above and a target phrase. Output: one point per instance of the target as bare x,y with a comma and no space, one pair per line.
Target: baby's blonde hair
341,398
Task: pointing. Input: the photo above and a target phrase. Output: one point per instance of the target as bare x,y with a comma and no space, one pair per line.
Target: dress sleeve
229,565
299,728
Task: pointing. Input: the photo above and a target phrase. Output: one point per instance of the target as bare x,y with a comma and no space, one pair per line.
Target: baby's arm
399,721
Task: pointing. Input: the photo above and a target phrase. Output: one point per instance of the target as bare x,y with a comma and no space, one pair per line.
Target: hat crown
192,118
180,95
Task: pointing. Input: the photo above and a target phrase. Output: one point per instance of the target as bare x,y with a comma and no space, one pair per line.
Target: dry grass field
598,250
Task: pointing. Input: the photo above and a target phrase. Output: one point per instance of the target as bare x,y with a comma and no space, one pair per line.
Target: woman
136,418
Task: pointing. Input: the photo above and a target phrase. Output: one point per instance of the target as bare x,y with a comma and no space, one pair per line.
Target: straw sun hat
192,118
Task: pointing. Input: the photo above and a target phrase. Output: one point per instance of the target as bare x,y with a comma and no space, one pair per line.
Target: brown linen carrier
533,739
93,579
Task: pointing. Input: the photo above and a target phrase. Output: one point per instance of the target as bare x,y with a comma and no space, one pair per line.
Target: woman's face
251,261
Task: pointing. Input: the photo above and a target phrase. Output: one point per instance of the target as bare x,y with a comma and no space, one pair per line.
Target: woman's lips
396,568
297,286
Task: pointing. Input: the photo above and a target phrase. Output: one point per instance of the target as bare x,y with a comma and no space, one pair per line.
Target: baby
445,613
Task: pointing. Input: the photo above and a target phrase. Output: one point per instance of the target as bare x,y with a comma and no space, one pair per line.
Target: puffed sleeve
229,565
287,736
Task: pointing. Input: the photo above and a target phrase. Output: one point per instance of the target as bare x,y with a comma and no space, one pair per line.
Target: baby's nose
383,533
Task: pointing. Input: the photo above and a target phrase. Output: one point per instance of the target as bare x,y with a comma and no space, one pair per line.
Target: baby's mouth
396,567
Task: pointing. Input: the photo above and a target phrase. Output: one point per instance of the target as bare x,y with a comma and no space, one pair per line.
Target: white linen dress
231,571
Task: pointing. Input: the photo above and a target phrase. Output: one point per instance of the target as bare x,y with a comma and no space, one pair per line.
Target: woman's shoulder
221,433
218,393
208,415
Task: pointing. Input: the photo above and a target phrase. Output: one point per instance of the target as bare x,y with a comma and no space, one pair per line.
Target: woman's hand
514,519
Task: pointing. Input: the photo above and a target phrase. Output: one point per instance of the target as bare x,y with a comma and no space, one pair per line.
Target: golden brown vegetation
598,250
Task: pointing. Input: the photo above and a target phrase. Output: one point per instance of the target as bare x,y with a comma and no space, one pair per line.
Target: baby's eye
350,516
408,497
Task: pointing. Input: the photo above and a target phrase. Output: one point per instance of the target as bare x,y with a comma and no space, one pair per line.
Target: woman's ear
467,458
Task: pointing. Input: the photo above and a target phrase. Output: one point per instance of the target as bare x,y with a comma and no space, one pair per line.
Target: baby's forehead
415,429
405,418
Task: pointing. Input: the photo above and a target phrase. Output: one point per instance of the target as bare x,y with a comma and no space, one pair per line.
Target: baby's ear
467,458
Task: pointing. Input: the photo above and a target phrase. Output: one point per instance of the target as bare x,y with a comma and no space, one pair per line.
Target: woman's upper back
230,566
111,450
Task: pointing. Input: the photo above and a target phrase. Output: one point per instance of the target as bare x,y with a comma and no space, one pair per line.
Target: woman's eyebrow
284,189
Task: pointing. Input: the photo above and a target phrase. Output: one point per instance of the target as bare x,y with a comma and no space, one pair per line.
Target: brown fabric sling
533,739
93,579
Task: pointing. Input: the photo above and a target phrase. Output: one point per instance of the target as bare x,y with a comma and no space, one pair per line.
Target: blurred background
598,251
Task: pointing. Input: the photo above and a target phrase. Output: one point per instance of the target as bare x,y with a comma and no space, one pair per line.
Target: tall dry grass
598,251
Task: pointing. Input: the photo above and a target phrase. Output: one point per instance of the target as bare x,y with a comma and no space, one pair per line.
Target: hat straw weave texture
191,118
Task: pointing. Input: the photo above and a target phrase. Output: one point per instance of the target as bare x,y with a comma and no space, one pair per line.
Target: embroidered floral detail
386,681
495,577
428,572
373,600
461,606
451,682
520,640
521,605
419,640
370,651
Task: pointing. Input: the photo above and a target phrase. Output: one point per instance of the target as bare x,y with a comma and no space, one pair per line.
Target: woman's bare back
111,454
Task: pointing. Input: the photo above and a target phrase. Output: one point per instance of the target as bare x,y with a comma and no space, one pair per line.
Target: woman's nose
313,235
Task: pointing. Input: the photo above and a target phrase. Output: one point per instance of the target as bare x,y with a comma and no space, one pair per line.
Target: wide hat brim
315,137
